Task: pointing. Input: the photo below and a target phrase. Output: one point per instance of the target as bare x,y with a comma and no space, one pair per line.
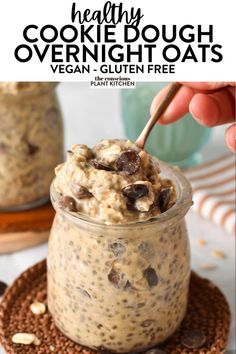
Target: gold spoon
173,89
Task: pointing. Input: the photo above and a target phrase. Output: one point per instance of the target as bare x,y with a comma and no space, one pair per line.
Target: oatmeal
118,261
113,183
31,141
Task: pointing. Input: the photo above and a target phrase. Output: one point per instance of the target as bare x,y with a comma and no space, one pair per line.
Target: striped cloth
214,191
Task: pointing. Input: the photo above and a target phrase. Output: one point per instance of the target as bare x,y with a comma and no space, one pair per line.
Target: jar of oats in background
31,143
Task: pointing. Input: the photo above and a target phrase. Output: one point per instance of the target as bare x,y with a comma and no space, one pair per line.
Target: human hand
210,103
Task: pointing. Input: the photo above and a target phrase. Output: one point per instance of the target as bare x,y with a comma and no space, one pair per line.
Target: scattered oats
37,341
218,254
201,242
38,308
52,348
208,266
25,338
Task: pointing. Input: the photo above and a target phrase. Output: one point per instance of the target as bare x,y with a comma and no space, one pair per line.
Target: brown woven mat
207,311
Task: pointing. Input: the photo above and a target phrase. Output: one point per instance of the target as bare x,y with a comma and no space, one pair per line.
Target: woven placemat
207,311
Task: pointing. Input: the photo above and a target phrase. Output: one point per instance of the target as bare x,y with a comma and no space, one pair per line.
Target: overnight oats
118,262
31,142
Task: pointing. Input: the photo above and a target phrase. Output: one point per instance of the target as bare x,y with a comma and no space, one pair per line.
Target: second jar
31,142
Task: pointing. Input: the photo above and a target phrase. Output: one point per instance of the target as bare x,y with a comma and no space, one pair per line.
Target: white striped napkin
214,191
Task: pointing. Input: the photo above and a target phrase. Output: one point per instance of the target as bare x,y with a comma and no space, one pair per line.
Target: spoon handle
172,90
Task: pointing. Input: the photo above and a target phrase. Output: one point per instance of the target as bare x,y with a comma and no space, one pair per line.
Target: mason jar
31,143
120,288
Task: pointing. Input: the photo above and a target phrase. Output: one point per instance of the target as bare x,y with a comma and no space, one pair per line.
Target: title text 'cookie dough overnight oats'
31,142
118,262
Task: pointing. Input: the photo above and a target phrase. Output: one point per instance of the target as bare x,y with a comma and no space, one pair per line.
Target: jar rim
177,211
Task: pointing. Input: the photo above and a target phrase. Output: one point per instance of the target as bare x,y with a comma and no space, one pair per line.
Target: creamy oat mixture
116,284
113,183
31,141
122,290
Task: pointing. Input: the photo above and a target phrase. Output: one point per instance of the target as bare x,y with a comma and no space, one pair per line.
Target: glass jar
31,143
178,143
125,287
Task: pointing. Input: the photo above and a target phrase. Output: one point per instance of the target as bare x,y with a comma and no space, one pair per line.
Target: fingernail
196,118
207,120
205,110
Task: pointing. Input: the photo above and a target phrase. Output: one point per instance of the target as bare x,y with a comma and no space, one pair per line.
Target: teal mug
178,143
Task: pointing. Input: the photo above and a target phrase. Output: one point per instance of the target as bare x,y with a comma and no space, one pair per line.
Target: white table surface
93,114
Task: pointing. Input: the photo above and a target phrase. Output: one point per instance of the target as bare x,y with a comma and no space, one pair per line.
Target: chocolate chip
84,293
3,287
117,248
68,203
146,250
100,165
32,148
193,339
155,351
114,278
70,153
164,199
128,286
118,280
129,162
151,276
79,191
130,206
135,191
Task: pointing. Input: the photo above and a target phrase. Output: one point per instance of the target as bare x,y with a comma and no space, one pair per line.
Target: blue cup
178,143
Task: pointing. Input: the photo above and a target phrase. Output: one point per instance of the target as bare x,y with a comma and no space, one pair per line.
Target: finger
214,109
230,137
177,108
232,91
207,85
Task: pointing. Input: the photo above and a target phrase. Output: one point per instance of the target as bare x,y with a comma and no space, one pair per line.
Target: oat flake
218,254
201,242
208,266
38,308
25,338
